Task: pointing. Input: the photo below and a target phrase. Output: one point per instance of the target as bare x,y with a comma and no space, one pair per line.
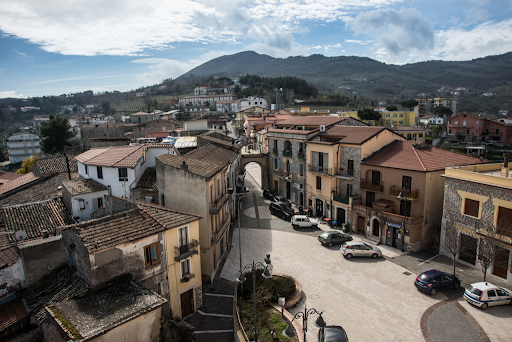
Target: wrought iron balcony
302,155
404,194
217,205
186,250
341,198
320,170
287,153
218,235
345,173
369,185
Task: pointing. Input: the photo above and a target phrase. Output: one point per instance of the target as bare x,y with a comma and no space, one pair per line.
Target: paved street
372,299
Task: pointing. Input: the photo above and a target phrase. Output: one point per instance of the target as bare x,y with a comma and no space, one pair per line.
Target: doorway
319,207
340,216
301,199
276,187
288,190
187,305
360,225
375,227
500,265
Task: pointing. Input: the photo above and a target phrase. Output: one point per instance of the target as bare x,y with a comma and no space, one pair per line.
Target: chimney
184,166
45,234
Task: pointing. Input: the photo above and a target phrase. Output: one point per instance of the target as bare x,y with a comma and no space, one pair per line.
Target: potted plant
345,226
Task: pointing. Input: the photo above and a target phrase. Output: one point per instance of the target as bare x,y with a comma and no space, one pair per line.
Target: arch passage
262,161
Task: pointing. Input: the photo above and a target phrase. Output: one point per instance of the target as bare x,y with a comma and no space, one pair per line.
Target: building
478,205
228,106
431,120
79,119
198,182
205,123
83,196
147,129
142,117
466,127
38,120
242,113
28,108
401,194
21,146
205,100
388,118
426,105
334,167
410,132
252,101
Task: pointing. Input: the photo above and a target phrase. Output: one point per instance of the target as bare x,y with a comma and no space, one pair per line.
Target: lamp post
239,197
320,323
266,274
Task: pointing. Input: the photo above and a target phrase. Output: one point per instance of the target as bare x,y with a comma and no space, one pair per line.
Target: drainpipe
110,198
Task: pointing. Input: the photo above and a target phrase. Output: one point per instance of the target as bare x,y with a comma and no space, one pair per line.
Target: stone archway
375,230
262,161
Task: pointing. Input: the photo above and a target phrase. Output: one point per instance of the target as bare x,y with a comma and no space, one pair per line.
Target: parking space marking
428,259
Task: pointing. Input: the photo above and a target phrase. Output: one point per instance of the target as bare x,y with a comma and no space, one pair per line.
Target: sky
59,47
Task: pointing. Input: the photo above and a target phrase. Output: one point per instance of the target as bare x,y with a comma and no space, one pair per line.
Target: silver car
358,248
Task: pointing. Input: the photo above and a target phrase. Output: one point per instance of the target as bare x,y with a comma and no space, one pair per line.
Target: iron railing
217,205
401,193
186,250
369,185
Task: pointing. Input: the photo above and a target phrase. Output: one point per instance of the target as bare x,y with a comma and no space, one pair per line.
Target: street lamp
320,323
239,196
266,274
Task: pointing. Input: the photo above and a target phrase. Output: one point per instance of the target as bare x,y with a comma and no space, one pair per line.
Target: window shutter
472,207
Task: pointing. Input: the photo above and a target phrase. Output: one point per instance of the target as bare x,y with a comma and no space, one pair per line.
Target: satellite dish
20,235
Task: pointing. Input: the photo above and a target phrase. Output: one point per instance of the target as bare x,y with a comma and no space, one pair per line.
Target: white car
485,294
302,221
359,249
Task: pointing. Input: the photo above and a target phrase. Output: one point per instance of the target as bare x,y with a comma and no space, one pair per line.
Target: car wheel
295,226
348,256
433,292
484,306
374,256
330,244
314,227
456,286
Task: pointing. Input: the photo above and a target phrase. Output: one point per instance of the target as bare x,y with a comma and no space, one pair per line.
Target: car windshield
424,277
474,290
287,209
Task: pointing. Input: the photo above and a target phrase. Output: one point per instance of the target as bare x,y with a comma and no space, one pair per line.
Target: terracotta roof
170,218
311,121
11,313
47,166
353,134
35,217
8,176
7,256
214,154
113,230
219,141
294,131
141,114
406,128
402,155
119,156
17,182
199,167
83,186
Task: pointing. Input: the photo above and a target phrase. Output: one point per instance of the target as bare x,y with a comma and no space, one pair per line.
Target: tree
411,103
106,107
155,104
182,115
489,244
55,134
442,110
392,108
368,114
27,165
148,101
451,243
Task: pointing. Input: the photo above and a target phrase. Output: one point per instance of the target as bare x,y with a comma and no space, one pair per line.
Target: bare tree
451,242
489,246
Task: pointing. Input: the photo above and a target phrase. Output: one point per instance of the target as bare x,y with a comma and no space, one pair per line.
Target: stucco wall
12,278
41,257
82,262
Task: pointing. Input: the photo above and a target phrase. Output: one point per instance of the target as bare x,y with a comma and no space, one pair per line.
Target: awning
382,204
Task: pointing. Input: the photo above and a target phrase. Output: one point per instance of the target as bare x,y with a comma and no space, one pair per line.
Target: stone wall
82,263
106,130
350,153
41,257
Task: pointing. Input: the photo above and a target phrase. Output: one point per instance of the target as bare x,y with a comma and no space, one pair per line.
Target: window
420,135
394,115
370,198
99,170
471,207
275,164
152,254
320,160
318,183
151,129
456,122
350,190
477,130
163,201
81,204
123,174
302,169
405,208
401,115
504,222
491,293
86,170
497,131
400,122
185,267
387,115
183,236
350,167
407,183
97,203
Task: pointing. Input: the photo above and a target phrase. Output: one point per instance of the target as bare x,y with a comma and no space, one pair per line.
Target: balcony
183,252
346,174
187,277
405,194
217,205
275,151
368,185
341,198
320,170
285,174
218,235
302,155
287,153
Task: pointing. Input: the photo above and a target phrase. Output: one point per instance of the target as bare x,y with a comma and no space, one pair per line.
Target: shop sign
394,225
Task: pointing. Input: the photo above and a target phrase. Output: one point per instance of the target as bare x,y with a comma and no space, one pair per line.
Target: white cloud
11,94
475,15
357,41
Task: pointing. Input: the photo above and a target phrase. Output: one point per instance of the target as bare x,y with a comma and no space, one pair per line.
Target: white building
431,120
83,196
252,101
227,106
20,146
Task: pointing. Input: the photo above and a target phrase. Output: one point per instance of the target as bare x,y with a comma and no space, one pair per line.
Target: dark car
332,333
281,209
282,199
333,237
269,194
434,280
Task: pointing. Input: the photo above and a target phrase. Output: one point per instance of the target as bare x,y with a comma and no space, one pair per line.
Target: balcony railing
341,198
217,205
218,235
368,185
321,170
287,153
186,250
302,155
405,194
275,151
345,173
285,174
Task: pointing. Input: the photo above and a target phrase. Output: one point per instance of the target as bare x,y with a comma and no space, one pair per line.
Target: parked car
282,199
332,237
434,280
486,294
332,333
269,194
358,248
281,209
302,221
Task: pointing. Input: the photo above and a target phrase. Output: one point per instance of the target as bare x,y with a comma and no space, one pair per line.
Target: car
282,199
332,237
485,294
332,333
281,209
434,280
302,221
269,194
358,248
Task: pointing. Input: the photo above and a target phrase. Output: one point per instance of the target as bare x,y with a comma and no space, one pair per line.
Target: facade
198,182
426,105
21,146
388,118
83,196
400,186
410,132
202,100
252,101
431,120
466,127
478,198
144,130
141,117
228,106
334,167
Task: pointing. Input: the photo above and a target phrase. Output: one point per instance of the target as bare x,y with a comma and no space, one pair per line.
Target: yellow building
388,118
410,132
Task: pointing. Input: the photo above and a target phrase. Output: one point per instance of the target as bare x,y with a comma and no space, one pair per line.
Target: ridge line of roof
419,158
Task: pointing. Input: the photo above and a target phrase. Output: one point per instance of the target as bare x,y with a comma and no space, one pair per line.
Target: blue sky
58,47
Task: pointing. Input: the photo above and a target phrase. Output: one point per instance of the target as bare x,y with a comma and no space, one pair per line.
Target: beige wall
379,141
328,183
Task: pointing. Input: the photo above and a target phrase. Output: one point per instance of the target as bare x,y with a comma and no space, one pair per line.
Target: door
389,236
301,199
370,198
500,266
376,177
365,250
340,216
375,227
187,306
276,187
288,187
468,248
360,224
319,207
